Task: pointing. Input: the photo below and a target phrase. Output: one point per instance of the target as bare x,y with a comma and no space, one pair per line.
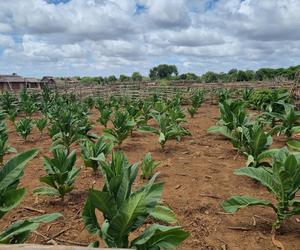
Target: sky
105,37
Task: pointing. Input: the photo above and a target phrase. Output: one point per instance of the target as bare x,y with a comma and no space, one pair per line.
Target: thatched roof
11,79
32,80
72,80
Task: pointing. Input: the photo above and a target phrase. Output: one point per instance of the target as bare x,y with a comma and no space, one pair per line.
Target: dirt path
198,176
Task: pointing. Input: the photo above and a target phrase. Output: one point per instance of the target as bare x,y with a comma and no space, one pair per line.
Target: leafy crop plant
24,127
282,180
123,125
167,129
93,153
11,196
41,124
61,174
148,166
125,210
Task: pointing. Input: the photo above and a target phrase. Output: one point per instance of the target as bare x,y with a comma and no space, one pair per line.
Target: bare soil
198,176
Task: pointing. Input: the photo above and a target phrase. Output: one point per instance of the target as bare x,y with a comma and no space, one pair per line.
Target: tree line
170,72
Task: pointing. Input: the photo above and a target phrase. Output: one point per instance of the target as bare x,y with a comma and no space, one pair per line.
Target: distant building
72,80
11,82
49,81
33,83
15,82
59,82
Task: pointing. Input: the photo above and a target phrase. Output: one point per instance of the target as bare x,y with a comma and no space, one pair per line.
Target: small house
12,82
49,81
15,82
33,83
72,80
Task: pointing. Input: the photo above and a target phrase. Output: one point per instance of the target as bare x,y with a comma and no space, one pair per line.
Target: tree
210,77
241,76
99,79
188,76
136,76
163,71
124,78
265,74
112,78
250,75
232,75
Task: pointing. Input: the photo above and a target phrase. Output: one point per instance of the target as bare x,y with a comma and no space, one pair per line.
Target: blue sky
104,37
58,1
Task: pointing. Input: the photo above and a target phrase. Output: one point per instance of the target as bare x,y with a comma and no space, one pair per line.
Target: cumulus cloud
101,37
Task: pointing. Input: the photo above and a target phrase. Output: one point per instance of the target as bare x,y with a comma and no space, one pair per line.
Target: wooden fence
146,88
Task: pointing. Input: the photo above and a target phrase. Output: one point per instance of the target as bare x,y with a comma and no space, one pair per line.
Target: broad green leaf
260,174
295,145
164,214
296,129
267,154
103,201
14,167
160,237
46,191
10,200
19,231
131,209
222,130
90,219
259,142
235,203
46,218
49,180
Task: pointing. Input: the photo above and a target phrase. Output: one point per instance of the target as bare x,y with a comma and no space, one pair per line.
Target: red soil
198,176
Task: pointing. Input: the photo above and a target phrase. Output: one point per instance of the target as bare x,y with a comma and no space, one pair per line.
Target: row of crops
126,210
277,169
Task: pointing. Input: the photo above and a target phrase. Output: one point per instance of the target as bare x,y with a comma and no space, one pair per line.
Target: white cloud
111,36
6,41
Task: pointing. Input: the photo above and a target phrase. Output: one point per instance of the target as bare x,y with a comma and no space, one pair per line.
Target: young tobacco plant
11,196
61,174
167,129
289,123
197,99
146,111
233,115
282,180
253,142
105,115
176,115
8,102
41,124
126,210
123,125
247,93
192,111
67,128
12,115
223,95
94,153
148,166
24,127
